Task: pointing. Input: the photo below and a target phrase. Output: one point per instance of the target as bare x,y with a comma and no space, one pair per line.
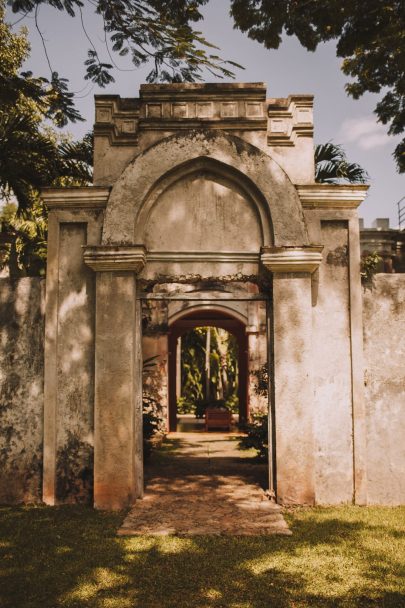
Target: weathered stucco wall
332,371
197,213
384,355
75,365
21,389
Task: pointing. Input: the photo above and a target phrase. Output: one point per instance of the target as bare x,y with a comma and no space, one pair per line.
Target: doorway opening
207,369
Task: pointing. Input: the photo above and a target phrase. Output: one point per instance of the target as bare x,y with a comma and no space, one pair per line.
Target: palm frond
332,166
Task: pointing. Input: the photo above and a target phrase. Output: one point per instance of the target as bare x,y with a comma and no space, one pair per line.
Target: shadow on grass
70,557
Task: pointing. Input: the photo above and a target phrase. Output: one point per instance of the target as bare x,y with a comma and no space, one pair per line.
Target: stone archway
211,317
145,206
149,174
153,157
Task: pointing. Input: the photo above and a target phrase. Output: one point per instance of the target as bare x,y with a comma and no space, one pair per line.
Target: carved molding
88,197
118,119
115,258
292,259
233,257
331,196
180,106
289,119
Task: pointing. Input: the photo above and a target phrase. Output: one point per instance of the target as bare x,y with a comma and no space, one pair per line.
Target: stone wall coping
326,196
115,257
86,197
292,259
198,90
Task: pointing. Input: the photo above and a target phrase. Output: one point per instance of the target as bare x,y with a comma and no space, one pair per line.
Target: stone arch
211,307
214,315
213,182
254,171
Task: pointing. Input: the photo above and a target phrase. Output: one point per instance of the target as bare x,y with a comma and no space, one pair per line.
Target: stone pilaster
292,381
118,376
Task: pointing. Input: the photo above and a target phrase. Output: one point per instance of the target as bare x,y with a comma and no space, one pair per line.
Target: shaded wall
332,369
75,369
384,357
21,389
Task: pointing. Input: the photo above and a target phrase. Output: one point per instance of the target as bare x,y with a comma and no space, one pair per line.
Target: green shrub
262,380
185,406
202,404
369,266
151,422
232,404
257,436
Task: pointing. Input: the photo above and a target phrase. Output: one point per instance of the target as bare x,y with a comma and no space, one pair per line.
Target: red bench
217,418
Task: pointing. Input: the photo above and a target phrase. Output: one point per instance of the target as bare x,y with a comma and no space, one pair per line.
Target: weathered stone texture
384,354
293,390
204,204
332,371
139,186
21,389
199,213
75,375
116,396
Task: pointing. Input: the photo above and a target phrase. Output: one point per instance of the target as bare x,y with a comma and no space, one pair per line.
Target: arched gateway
204,207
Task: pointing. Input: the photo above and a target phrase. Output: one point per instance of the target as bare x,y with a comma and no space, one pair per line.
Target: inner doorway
207,319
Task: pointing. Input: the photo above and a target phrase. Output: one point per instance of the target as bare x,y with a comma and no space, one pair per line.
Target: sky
288,70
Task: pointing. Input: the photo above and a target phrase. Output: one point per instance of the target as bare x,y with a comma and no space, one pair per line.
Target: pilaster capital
80,197
292,259
332,196
115,257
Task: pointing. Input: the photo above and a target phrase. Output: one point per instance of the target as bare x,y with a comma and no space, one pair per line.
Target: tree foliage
23,240
332,166
22,91
223,367
32,155
159,32
370,37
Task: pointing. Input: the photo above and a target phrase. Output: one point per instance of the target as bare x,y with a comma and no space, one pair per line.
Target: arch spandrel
145,178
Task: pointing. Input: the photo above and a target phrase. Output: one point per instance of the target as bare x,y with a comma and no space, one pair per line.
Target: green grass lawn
70,557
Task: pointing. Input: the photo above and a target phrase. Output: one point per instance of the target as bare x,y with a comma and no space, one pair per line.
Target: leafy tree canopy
370,37
21,91
32,155
156,31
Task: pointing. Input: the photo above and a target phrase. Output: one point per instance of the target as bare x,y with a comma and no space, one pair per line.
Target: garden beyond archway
207,318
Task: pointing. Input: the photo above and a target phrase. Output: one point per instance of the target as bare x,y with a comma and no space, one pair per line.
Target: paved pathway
200,483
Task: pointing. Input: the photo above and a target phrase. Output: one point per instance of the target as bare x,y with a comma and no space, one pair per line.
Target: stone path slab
200,483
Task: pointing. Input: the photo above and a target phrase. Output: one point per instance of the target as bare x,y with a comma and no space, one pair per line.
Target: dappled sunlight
135,547
101,579
191,489
196,213
22,386
330,561
62,550
73,301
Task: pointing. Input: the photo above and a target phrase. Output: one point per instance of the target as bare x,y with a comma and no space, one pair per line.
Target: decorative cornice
88,197
292,259
203,256
289,119
115,258
331,196
235,124
180,106
118,119
195,91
